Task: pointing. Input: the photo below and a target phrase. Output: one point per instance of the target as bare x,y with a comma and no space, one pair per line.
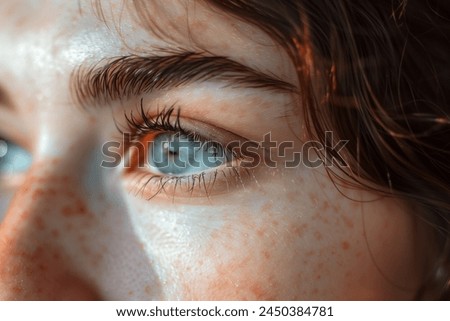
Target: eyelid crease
132,75
140,121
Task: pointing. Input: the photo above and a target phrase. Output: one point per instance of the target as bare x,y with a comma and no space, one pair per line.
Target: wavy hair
376,73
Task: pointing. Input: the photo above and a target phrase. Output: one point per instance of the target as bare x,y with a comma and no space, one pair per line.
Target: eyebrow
128,76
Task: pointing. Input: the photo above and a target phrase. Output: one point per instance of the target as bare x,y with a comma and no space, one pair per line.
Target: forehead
91,29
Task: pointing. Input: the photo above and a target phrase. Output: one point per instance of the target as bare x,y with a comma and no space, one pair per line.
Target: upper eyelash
162,121
166,120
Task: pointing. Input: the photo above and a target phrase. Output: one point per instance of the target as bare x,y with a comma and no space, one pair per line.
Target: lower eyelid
204,185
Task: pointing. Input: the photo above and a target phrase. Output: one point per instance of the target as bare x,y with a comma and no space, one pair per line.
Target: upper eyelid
132,75
170,118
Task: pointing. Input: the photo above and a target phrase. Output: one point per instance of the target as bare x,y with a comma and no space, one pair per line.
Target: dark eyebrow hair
127,76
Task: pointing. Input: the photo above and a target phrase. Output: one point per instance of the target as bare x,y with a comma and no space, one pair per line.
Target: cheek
295,239
259,258
240,263
259,250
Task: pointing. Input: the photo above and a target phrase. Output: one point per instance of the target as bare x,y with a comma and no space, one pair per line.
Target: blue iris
13,158
180,155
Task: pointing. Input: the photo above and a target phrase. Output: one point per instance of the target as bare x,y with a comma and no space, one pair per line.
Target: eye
179,155
180,164
13,158
167,154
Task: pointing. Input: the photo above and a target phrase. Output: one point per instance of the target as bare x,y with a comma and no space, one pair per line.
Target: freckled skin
74,230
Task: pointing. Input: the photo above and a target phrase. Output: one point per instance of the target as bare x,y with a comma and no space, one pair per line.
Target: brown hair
376,73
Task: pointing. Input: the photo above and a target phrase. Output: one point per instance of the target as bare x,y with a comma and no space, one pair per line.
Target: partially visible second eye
13,158
176,154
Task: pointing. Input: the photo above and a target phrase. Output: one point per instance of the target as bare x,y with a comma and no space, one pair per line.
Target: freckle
17,289
347,221
148,289
260,233
267,207
336,208
257,290
37,194
29,271
345,245
266,254
310,253
70,194
130,293
67,211
81,208
38,252
318,236
55,233
42,267
299,230
325,206
39,223
318,277
358,254
24,215
320,217
275,223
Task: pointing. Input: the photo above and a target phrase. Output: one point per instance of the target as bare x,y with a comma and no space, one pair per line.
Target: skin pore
72,229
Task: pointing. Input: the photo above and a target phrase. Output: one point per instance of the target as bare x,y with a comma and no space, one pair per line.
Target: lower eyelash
148,186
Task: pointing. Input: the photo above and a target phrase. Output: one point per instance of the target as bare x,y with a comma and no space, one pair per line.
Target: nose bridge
34,263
